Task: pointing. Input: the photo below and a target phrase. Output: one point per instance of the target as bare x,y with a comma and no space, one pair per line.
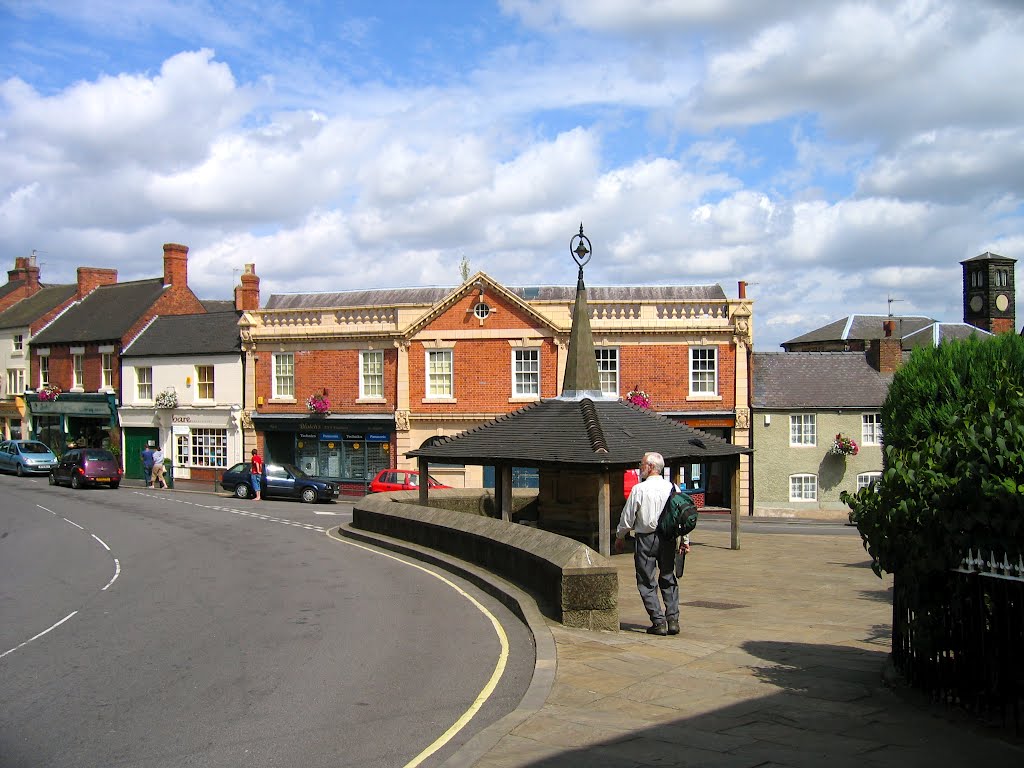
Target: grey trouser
652,560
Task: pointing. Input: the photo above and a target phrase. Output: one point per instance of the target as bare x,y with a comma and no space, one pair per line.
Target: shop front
200,442
75,419
11,419
349,451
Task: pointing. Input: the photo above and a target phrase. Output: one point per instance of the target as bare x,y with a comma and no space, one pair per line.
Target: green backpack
678,517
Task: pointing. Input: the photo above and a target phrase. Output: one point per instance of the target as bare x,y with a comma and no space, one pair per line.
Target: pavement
782,661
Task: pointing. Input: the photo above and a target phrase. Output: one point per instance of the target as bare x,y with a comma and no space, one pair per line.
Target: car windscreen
296,472
34,448
98,455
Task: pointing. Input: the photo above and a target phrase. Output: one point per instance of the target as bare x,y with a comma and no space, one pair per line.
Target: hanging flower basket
49,393
167,399
638,397
319,404
844,446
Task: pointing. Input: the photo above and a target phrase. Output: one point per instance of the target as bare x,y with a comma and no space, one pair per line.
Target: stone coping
572,583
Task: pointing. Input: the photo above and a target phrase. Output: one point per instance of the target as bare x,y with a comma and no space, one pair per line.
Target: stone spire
581,378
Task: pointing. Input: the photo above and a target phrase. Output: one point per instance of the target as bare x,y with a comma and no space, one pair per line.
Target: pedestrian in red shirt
256,474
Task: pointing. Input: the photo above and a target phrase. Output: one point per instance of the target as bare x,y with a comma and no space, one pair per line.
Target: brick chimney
742,289
90,278
25,270
247,295
886,354
176,264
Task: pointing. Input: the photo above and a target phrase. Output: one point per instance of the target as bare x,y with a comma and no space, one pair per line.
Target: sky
834,155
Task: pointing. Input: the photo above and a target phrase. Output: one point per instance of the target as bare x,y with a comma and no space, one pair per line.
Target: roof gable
455,309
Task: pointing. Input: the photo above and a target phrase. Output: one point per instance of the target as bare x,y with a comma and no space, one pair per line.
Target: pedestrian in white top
654,563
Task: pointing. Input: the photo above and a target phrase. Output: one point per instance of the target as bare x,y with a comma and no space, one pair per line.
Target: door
135,440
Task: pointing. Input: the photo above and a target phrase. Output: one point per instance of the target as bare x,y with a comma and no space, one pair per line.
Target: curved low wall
572,582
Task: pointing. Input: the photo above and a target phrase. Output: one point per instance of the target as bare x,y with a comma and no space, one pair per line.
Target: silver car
26,457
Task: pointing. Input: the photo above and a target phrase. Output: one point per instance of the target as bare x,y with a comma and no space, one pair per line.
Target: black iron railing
964,643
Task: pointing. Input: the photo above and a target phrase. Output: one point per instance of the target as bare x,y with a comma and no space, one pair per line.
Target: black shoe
673,626
658,628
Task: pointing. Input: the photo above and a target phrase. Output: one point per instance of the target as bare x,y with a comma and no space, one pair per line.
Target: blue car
26,457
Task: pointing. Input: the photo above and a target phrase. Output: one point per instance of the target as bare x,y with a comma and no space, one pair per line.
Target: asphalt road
153,629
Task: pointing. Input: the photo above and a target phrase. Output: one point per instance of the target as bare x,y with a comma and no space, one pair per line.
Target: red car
401,480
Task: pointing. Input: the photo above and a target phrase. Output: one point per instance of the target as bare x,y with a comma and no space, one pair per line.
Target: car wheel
19,471
76,482
242,491
309,495
52,479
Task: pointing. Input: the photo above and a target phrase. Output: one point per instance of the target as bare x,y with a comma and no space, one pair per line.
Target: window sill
439,400
801,445
375,400
709,398
77,389
290,400
524,399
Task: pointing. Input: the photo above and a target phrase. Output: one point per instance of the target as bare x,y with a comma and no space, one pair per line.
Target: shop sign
179,429
330,436
376,438
71,408
307,436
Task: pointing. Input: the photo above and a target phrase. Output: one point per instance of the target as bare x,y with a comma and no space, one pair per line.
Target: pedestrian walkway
779,663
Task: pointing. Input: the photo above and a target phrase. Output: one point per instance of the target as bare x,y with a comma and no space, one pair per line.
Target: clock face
976,303
1002,302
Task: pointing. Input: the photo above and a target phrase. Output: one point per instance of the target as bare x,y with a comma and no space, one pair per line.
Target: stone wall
571,582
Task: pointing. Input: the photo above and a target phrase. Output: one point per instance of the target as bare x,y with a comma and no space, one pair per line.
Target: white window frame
608,369
15,381
144,382
864,479
439,374
371,374
703,371
208,447
44,371
202,383
871,429
78,371
803,430
803,487
107,370
19,342
283,376
526,372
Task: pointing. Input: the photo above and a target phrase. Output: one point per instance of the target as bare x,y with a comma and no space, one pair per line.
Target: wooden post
504,480
604,515
423,466
734,516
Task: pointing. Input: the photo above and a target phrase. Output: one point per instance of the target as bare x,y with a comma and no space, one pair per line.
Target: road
146,628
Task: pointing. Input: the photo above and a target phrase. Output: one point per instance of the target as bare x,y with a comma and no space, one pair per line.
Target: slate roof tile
210,334
817,380
30,309
105,314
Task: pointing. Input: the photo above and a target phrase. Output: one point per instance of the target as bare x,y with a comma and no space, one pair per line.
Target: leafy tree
464,269
953,475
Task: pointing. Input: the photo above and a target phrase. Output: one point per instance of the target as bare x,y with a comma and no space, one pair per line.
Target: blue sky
831,154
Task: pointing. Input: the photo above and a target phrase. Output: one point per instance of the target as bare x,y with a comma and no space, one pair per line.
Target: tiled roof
817,380
862,327
10,286
986,256
104,315
28,310
600,434
218,305
209,334
427,296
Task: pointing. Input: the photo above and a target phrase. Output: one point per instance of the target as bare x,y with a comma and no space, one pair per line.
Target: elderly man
655,567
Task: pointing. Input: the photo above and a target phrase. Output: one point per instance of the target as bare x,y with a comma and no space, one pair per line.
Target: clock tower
989,300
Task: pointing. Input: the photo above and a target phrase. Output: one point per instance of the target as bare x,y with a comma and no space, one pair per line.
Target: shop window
208,447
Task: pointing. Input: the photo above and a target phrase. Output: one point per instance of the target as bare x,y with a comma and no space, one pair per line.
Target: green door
135,439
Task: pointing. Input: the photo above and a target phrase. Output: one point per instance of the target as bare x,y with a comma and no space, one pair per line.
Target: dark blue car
282,481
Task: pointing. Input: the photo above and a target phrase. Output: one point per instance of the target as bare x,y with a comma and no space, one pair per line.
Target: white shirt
158,456
644,506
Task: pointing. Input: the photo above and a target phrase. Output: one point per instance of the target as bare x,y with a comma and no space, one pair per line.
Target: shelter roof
595,434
